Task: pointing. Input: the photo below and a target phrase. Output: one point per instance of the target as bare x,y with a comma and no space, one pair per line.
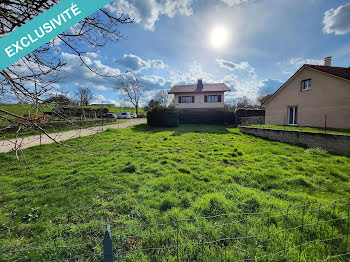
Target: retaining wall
338,144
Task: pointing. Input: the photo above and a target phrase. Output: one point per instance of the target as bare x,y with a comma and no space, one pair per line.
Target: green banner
44,28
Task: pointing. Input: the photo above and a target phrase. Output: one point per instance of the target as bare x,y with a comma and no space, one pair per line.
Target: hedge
163,116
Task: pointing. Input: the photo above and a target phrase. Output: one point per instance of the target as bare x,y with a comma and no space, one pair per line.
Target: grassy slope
158,175
21,109
307,129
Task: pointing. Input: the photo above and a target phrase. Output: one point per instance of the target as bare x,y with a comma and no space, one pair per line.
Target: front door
292,115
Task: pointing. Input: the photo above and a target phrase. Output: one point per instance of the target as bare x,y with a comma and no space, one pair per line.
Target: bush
163,116
217,117
316,151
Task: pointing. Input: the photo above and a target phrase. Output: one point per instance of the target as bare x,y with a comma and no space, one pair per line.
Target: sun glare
218,37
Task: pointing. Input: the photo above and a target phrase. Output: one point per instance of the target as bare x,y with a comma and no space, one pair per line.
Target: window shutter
205,99
192,99
180,99
219,98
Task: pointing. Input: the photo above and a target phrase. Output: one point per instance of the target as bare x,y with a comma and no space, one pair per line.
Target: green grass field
307,129
22,109
142,175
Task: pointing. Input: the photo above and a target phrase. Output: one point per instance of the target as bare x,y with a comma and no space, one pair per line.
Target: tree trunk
137,108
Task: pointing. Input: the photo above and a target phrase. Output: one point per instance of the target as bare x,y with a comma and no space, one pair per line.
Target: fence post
317,230
347,238
325,123
268,234
246,238
177,240
285,234
332,243
301,233
108,246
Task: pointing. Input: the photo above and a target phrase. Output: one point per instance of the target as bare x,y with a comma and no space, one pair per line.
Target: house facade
314,96
199,97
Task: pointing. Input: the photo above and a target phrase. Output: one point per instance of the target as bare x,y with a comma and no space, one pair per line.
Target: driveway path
29,141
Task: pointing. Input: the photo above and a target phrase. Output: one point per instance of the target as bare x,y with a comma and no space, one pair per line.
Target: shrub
316,151
163,116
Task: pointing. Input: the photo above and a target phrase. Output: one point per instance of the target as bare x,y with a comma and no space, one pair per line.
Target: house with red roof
316,96
199,97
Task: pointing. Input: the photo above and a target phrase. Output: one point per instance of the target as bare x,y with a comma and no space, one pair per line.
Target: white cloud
77,74
194,72
100,99
337,20
299,62
136,63
244,66
269,86
234,2
133,62
292,65
147,12
157,64
248,87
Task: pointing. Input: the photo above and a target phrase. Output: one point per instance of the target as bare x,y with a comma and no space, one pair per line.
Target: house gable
326,102
328,72
199,96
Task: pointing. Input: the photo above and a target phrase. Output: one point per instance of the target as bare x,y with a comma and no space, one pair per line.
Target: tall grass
142,175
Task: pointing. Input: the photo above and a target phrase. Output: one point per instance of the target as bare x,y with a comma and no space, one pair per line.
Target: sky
253,46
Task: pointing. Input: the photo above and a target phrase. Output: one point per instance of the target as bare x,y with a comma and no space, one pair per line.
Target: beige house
199,97
314,96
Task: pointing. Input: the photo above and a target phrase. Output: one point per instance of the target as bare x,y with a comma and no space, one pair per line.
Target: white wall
199,101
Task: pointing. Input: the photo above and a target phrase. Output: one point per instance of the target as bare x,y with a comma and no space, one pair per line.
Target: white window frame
306,85
186,99
213,99
294,119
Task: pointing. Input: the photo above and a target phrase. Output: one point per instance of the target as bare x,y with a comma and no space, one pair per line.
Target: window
306,85
186,99
212,98
292,115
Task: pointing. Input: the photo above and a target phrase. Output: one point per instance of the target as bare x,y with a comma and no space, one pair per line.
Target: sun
218,37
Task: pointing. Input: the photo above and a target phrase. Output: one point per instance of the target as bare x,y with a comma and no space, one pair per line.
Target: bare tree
84,96
42,67
132,90
34,77
164,98
243,102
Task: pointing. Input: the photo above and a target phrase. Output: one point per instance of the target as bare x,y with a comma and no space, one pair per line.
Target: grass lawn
306,129
142,175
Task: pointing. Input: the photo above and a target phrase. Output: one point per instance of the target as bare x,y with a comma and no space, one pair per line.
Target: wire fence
320,123
309,232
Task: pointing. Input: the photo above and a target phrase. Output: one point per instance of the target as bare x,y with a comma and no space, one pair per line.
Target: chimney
200,84
328,61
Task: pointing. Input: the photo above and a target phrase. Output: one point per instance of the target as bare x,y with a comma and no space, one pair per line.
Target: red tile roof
343,72
220,87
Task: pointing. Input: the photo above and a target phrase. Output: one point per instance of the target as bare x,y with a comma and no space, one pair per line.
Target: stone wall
338,144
